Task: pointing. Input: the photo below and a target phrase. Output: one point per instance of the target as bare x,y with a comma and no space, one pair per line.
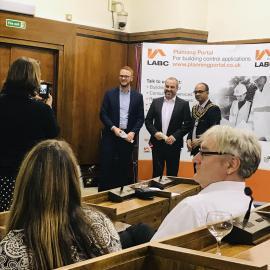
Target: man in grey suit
168,121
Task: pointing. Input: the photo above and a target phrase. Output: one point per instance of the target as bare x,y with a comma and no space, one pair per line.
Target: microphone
161,171
251,229
121,194
248,192
161,182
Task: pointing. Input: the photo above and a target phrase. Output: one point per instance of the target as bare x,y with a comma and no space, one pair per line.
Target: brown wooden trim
101,38
169,34
173,30
101,33
37,29
185,35
192,40
20,42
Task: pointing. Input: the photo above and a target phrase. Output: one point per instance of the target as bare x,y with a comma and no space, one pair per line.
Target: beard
169,94
124,84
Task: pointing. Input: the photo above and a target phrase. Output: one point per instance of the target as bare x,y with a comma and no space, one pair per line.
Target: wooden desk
201,241
258,254
134,210
163,257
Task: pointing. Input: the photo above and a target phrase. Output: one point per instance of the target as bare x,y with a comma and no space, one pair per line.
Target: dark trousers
136,235
165,153
116,162
194,152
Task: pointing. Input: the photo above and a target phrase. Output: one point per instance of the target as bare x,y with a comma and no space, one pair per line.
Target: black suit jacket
110,111
180,123
210,118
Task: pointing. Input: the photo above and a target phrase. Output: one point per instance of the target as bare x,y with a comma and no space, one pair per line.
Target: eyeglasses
211,153
124,76
199,91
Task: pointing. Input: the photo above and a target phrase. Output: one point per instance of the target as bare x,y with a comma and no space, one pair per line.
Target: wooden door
4,63
48,59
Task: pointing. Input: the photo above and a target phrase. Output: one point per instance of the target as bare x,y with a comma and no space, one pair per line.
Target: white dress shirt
124,101
167,109
227,196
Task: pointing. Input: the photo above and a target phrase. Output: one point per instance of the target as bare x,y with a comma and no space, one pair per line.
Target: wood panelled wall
97,65
88,61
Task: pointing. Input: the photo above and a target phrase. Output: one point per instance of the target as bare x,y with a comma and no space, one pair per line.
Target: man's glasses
212,153
124,76
199,91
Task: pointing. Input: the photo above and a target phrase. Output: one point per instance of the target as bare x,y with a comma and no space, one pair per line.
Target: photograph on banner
237,75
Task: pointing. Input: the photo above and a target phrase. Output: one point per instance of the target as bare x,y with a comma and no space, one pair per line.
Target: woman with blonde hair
24,120
47,226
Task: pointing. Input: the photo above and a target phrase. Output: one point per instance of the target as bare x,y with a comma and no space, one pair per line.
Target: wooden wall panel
44,56
49,34
88,61
96,70
4,64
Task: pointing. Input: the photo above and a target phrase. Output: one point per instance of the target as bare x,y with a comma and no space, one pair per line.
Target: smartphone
44,90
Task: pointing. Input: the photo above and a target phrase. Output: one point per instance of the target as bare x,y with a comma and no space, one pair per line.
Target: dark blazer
180,123
110,111
210,118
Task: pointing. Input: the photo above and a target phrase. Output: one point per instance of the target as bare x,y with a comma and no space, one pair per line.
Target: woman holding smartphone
24,122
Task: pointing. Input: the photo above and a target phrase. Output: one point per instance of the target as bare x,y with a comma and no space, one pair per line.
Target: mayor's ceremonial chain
198,112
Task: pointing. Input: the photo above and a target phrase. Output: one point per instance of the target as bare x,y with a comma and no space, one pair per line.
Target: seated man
227,156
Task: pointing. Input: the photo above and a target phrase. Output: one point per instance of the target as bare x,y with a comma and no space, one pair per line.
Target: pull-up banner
229,70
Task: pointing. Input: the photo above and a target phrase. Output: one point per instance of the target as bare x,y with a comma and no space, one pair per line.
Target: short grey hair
238,142
173,79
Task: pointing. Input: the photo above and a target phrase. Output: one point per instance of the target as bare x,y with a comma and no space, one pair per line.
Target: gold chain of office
197,113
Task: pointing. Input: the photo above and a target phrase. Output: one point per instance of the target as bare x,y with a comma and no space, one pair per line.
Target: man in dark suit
204,115
122,114
168,121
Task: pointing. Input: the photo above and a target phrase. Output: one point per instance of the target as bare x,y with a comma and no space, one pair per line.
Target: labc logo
154,53
260,54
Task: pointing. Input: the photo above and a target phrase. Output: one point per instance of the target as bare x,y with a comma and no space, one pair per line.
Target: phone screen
44,90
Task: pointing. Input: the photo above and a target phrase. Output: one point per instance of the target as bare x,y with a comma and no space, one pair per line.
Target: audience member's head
23,77
47,204
226,154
